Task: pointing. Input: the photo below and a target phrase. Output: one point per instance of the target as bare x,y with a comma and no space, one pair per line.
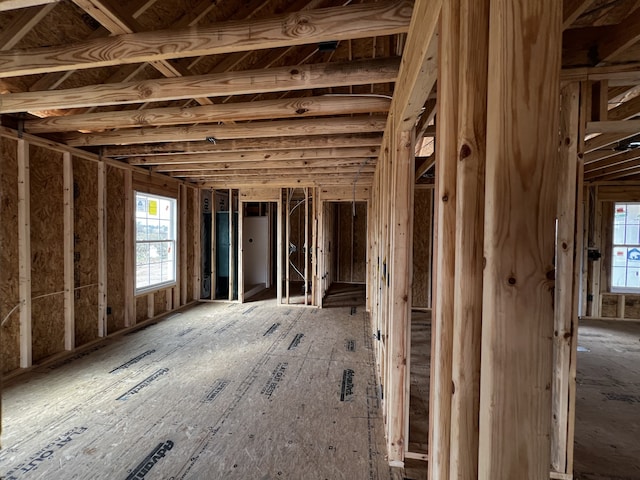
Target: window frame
173,229
614,245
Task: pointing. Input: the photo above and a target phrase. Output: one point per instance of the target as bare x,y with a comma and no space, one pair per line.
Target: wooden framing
469,235
24,253
102,249
196,213
569,186
232,263
330,24
279,248
444,254
184,209
240,249
129,259
69,285
515,418
212,85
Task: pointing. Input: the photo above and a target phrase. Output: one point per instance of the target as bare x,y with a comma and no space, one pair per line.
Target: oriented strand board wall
351,243
142,308
422,246
85,204
9,297
115,248
160,302
47,253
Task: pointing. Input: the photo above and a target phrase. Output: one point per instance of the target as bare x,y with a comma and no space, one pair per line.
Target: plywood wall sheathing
47,254
9,294
422,247
116,246
85,193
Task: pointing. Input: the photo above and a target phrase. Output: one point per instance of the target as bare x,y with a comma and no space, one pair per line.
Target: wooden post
197,250
24,253
306,245
287,241
69,286
314,246
594,265
565,273
469,235
400,292
445,209
270,243
214,242
279,250
240,251
520,208
232,263
102,248
129,253
183,238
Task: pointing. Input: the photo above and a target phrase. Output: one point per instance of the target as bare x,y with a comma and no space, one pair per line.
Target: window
155,241
625,265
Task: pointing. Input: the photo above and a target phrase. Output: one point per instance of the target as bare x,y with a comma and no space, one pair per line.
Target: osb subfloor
219,391
607,444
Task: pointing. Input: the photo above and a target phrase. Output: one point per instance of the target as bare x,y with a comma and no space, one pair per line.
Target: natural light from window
625,265
155,241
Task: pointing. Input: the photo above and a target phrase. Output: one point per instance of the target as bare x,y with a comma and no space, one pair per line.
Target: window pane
619,231
155,235
619,277
633,277
631,237
633,213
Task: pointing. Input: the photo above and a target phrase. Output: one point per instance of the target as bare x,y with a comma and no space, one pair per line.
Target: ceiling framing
269,92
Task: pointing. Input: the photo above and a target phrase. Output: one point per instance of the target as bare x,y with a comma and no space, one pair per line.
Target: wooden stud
469,236
197,251
565,272
240,251
129,252
184,238
594,265
232,263
24,253
151,305
444,255
306,245
314,247
102,249
522,144
400,294
279,248
69,285
168,305
214,243
287,243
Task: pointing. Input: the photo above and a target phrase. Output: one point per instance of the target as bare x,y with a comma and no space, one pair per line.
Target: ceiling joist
329,24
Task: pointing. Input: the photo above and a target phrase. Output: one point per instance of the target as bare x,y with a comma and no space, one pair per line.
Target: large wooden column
520,209
401,276
444,259
467,315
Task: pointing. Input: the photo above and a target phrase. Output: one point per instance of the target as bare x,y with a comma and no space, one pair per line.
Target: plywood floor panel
219,391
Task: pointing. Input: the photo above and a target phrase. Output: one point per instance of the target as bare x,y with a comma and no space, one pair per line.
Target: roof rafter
338,23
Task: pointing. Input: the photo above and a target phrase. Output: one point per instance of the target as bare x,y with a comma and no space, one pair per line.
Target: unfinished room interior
320,239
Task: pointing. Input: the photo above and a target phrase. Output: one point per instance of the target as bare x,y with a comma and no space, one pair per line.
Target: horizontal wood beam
265,172
627,160
245,145
623,74
16,4
281,181
616,126
335,163
604,140
258,156
613,158
316,126
228,112
360,72
328,24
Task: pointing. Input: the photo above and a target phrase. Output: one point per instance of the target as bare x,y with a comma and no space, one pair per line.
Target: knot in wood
465,151
298,26
511,280
301,111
